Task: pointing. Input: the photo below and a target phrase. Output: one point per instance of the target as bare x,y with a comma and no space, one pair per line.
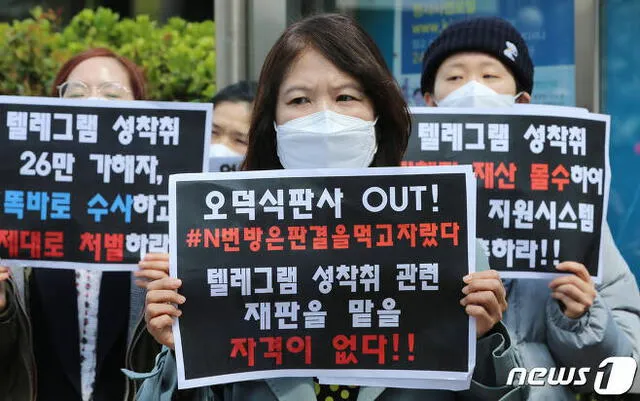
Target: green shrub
178,58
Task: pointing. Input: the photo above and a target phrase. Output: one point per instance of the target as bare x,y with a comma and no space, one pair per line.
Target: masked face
475,94
323,116
326,139
476,78
219,150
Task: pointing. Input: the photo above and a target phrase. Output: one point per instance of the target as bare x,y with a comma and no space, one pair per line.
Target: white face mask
219,150
326,140
475,94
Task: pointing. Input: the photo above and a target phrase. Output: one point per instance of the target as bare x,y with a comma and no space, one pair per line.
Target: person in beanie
480,62
569,322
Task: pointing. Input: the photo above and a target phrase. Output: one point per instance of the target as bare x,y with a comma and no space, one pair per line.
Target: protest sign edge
120,104
426,375
173,272
605,202
450,384
563,111
471,189
52,264
207,138
326,172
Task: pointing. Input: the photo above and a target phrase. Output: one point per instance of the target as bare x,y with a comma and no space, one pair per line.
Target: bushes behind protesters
178,57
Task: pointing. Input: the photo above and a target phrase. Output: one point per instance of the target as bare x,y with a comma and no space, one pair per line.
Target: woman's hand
485,299
153,266
160,309
576,292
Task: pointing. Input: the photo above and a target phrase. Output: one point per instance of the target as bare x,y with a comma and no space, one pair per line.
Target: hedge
178,58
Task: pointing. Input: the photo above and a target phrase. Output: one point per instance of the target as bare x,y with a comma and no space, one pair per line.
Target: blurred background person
230,131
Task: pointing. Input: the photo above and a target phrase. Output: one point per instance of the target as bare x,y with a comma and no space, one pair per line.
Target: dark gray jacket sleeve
8,325
16,360
611,327
495,357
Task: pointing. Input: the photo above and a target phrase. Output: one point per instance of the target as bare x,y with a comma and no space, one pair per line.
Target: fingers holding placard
160,309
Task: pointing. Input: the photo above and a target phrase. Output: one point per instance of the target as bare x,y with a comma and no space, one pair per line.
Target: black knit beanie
491,35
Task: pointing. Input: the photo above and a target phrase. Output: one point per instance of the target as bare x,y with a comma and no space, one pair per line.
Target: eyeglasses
80,90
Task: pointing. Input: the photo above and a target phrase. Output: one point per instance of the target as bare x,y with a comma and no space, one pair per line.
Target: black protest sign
297,272
85,182
543,181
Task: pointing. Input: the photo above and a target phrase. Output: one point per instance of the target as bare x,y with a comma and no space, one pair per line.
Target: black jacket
54,317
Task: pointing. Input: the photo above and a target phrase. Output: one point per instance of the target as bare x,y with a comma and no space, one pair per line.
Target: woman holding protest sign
71,343
571,321
324,81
